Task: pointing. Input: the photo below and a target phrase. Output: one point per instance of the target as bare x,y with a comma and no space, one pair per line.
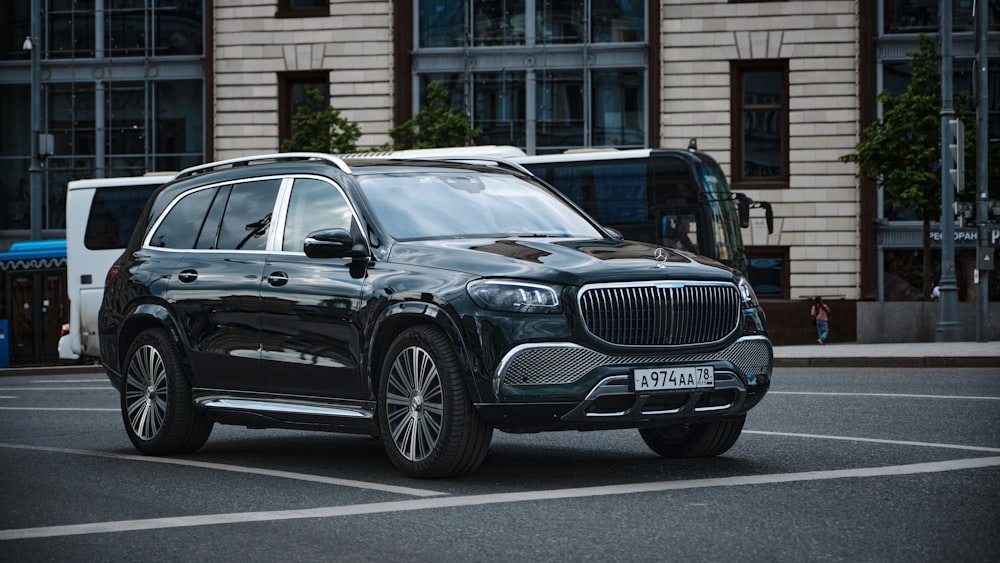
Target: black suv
426,302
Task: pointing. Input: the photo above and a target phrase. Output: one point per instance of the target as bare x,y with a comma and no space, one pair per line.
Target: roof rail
429,155
246,160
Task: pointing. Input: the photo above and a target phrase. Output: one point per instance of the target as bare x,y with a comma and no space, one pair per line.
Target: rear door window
247,218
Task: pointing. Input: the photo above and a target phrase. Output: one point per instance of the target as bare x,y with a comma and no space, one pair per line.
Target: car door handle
187,276
277,279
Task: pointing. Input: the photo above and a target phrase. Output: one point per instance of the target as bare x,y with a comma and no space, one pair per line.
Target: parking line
877,441
238,469
476,500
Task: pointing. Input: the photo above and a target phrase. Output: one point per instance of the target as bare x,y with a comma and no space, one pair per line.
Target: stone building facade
253,48
816,213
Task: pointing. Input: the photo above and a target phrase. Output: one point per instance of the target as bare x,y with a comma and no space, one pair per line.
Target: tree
436,125
320,128
901,150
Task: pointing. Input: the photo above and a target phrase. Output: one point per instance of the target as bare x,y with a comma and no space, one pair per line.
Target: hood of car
570,261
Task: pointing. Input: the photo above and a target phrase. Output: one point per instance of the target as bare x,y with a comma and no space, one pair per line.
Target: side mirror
334,243
768,216
743,205
615,233
743,208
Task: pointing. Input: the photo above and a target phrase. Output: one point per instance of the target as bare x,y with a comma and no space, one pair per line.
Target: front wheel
428,424
694,440
156,404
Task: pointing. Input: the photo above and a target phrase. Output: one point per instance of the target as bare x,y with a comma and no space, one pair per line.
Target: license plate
687,377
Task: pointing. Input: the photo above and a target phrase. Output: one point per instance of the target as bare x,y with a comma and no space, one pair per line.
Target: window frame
287,9
738,69
287,81
772,252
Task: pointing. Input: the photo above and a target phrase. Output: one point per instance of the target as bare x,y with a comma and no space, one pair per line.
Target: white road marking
237,469
98,380
901,395
53,408
475,500
102,388
877,441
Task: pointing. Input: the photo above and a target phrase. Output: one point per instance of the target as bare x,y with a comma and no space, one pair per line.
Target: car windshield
463,204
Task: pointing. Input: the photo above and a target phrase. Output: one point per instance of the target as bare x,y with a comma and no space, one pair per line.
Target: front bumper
560,386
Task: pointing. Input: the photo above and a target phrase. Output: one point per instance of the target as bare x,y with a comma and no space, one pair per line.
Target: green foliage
436,125
902,149
320,128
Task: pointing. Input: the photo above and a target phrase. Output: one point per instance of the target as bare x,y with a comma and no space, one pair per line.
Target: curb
891,362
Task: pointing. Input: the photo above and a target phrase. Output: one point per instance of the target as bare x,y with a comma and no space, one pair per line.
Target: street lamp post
984,253
948,329
31,43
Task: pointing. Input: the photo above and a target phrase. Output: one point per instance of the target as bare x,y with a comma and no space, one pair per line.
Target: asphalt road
834,465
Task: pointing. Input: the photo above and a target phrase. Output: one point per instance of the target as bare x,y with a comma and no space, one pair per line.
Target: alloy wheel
414,403
146,392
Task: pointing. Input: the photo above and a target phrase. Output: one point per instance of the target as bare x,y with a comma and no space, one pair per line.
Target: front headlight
513,296
747,294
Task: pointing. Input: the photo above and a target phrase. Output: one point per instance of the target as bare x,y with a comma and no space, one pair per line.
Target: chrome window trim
276,232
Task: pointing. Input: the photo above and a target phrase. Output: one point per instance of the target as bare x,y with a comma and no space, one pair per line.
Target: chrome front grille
661,313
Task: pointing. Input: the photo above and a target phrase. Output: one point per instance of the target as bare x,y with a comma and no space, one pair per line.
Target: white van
100,216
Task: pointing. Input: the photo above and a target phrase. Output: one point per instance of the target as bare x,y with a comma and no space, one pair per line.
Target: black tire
159,415
694,440
427,422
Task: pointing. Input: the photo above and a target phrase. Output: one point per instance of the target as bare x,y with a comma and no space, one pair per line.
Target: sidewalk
905,355
902,355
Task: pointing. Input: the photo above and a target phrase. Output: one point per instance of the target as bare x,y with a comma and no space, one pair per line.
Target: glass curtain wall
901,249
543,75
122,94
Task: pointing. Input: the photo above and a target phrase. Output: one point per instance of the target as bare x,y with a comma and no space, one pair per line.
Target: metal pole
982,174
35,171
948,327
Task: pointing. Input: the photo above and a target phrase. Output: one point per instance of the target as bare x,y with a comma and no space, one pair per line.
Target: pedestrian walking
820,313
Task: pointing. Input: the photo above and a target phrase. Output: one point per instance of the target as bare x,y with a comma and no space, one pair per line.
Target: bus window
113,214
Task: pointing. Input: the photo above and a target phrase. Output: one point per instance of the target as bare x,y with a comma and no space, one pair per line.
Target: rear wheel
694,440
156,404
428,424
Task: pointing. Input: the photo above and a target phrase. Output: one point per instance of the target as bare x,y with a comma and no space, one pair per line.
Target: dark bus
671,197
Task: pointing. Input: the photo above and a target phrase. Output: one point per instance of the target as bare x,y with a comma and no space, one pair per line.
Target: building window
293,94
593,90
916,16
498,23
302,8
130,29
768,271
760,123
896,78
107,113
499,107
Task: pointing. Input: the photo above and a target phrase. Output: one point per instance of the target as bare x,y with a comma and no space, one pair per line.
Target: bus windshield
725,216
673,198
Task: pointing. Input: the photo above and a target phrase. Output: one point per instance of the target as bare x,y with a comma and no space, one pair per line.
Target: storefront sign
969,235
